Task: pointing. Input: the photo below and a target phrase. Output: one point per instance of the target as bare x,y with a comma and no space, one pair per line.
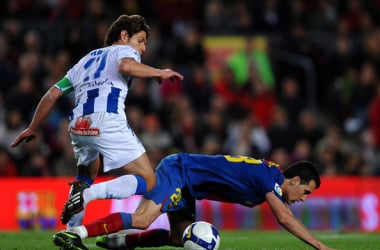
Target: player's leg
122,151
83,172
89,163
145,214
178,222
120,187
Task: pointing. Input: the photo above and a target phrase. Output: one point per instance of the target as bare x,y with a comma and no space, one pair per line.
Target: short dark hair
305,170
132,24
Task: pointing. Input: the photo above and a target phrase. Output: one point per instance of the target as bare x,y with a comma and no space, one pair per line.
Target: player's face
298,192
138,42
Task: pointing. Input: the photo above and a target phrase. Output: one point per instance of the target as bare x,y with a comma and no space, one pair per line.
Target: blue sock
141,185
86,179
126,219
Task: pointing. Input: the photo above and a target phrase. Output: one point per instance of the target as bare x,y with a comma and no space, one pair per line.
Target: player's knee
142,221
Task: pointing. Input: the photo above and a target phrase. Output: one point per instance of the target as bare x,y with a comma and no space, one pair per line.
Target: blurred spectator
363,92
308,127
74,42
39,148
138,95
24,97
153,136
229,91
332,150
355,165
211,145
215,16
184,124
339,95
36,166
135,118
156,48
197,86
323,16
374,117
9,129
298,41
242,19
270,17
352,13
259,99
188,50
8,71
290,97
296,13
8,167
239,141
371,49
246,137
13,32
342,57
3,107
370,152
67,10
63,159
212,125
157,141
302,151
282,133
280,156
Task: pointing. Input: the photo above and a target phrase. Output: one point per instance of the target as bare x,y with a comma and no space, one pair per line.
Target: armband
65,86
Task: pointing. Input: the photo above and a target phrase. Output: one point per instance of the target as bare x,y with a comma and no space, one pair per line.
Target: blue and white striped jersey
97,84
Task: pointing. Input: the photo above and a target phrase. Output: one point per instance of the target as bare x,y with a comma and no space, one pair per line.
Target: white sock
118,188
76,220
80,230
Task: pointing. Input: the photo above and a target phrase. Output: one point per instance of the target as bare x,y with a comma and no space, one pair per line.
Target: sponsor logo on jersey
277,189
82,127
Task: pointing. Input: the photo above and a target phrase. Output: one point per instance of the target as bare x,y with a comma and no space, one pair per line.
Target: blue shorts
170,189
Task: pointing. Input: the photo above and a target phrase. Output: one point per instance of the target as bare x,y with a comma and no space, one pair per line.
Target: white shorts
106,134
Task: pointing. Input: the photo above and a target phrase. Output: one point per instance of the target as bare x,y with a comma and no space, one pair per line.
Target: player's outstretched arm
133,68
286,219
44,107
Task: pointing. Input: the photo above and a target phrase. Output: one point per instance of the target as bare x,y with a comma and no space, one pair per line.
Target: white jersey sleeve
97,83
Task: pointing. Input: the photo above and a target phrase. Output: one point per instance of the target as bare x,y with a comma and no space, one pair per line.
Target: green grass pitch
230,240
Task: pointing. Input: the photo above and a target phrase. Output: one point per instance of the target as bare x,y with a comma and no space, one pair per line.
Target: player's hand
26,135
168,74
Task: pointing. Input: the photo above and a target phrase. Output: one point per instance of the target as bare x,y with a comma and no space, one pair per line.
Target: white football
201,235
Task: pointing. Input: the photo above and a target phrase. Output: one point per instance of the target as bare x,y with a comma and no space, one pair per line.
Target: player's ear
296,180
123,35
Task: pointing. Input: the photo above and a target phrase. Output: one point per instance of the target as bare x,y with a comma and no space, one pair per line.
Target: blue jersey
234,179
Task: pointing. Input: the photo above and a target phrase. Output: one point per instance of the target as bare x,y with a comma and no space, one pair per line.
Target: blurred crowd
312,92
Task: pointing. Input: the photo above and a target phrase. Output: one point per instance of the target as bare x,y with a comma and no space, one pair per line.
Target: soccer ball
200,235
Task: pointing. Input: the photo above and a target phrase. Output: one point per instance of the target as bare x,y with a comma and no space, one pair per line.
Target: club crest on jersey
82,127
278,189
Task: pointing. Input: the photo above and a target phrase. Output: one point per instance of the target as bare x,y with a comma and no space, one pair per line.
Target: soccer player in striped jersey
183,178
98,126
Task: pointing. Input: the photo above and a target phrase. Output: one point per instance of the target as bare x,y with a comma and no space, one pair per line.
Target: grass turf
230,240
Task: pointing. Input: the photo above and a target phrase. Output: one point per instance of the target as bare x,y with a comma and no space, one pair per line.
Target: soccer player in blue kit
183,178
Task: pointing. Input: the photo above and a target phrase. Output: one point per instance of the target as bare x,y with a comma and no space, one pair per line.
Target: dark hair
305,170
132,24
